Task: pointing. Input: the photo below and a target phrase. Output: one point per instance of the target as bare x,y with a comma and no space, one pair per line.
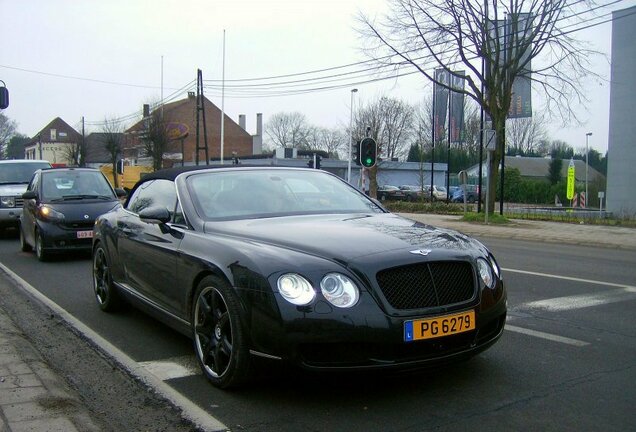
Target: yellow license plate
446,325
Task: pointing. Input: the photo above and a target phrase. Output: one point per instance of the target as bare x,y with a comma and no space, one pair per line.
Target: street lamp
587,155
350,135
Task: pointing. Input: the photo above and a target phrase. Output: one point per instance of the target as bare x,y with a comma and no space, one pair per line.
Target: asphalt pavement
34,398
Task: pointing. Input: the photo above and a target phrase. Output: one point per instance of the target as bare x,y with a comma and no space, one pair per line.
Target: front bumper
56,238
10,216
322,338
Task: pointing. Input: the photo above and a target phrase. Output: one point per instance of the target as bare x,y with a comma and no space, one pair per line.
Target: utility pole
82,145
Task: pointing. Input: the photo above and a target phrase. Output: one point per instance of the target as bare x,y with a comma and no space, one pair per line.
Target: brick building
180,120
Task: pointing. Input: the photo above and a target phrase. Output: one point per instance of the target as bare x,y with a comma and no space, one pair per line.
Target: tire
219,335
42,254
106,294
24,246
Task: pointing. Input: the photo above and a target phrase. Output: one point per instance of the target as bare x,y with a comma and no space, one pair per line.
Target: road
567,360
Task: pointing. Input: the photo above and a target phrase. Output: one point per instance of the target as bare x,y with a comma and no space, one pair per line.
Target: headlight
48,213
7,201
339,290
485,272
296,289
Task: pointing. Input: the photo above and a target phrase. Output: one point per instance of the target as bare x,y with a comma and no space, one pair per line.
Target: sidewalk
541,231
32,397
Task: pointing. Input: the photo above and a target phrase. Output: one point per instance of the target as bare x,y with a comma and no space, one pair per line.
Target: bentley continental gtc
297,266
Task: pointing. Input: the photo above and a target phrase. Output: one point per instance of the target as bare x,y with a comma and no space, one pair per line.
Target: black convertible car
294,265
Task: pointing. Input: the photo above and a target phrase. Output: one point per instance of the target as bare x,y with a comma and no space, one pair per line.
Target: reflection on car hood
346,237
83,210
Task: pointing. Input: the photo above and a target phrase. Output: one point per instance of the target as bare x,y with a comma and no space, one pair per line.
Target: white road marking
580,301
176,367
547,336
573,279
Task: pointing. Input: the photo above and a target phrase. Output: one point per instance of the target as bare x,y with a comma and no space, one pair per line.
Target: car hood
13,189
347,237
83,210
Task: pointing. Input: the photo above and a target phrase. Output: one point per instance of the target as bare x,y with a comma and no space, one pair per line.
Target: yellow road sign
570,189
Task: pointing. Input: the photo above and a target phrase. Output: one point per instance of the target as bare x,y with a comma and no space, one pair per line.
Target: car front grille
80,226
19,202
425,285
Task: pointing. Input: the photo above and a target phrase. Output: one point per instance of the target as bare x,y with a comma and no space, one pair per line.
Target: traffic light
4,97
355,156
368,152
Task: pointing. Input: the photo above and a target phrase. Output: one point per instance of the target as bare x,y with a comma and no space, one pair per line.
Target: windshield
75,184
264,193
19,172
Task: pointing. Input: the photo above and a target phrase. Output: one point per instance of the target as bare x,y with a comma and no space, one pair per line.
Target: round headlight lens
295,289
7,201
339,290
485,272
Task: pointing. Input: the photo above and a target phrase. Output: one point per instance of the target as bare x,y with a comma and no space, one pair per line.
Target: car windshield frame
222,195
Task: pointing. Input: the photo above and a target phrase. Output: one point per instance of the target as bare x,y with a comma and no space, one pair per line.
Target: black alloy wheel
220,341
105,293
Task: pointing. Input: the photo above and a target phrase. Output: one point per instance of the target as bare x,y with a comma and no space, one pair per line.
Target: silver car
14,178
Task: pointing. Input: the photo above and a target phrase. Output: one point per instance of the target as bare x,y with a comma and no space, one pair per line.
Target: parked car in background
14,177
472,194
294,266
439,193
412,193
60,208
388,192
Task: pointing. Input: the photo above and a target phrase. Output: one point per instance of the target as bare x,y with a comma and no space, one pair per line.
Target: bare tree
397,126
155,138
112,141
329,140
288,130
523,135
7,130
455,34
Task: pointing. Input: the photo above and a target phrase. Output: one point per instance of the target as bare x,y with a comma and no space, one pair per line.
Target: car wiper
87,196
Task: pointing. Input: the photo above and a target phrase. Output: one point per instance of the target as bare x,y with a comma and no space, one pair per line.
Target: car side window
154,193
33,184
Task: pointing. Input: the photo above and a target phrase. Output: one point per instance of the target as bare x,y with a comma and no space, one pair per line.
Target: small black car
297,266
60,207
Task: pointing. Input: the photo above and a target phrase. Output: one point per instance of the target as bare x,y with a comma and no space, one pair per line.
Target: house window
53,134
62,134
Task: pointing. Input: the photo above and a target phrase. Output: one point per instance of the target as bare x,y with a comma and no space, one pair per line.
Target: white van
15,175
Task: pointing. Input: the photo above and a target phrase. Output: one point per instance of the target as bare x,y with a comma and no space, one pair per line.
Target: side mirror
29,195
155,215
121,193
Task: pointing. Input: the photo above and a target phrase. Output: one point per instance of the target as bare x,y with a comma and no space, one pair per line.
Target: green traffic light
369,161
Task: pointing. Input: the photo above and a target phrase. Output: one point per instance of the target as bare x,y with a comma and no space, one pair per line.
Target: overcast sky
103,59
